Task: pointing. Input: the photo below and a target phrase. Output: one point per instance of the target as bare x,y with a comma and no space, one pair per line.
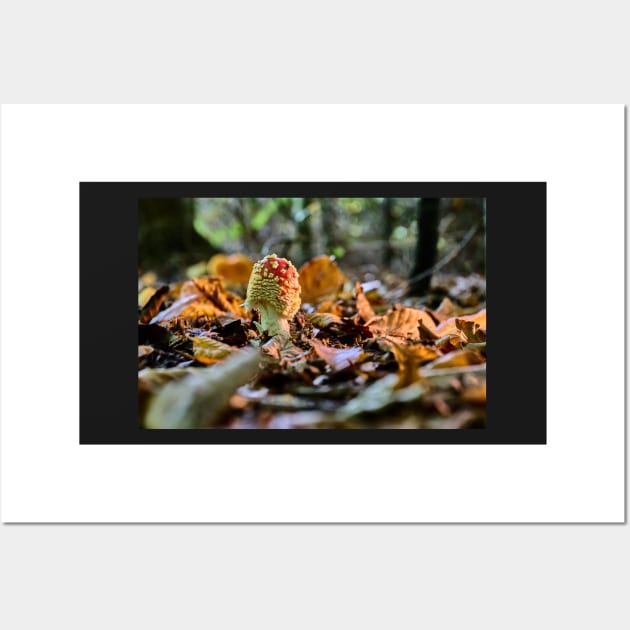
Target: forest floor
360,355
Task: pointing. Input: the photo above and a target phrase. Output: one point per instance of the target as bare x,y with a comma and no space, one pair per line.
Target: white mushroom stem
272,322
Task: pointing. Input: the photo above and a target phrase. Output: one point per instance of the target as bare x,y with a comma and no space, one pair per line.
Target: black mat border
516,273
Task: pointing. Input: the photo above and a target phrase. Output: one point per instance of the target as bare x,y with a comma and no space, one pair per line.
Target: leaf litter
357,356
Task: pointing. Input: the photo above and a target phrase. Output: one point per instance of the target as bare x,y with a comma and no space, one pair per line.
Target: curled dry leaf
320,279
449,326
457,358
366,312
153,305
401,322
201,297
322,320
212,289
144,295
208,350
175,309
445,310
200,398
408,357
337,358
472,332
233,268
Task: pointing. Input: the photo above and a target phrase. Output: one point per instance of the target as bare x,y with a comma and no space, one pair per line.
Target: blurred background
411,240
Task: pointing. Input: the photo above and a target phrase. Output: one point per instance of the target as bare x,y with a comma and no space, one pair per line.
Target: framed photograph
377,333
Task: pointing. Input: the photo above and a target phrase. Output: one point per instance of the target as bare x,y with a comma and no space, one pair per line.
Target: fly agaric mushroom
274,291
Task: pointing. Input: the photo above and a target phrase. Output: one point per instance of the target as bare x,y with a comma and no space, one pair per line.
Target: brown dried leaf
457,358
337,358
445,310
366,312
320,279
449,326
471,330
402,322
153,305
201,309
212,289
322,320
175,309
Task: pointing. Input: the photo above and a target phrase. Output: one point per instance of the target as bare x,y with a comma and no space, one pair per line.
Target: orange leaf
320,278
457,358
450,327
401,323
235,268
408,358
366,312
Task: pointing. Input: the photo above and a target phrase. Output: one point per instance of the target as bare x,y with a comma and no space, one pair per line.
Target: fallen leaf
322,320
234,268
445,310
153,305
212,289
408,357
457,358
175,309
144,295
471,331
337,358
401,322
201,398
449,326
366,312
320,278
208,350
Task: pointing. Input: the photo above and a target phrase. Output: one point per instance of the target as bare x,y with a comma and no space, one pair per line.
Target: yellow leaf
208,350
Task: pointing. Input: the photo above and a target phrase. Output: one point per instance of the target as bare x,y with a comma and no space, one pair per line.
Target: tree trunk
426,246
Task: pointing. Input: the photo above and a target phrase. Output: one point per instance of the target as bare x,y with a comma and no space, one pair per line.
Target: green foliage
262,215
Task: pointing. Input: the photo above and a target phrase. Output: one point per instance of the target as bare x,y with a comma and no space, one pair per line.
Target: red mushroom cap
274,289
